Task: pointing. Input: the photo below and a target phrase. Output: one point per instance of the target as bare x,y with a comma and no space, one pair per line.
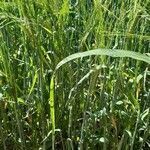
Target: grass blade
108,52
52,111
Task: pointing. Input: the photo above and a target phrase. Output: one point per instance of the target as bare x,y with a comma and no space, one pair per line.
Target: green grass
93,102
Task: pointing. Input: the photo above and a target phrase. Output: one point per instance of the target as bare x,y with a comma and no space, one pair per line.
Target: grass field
93,99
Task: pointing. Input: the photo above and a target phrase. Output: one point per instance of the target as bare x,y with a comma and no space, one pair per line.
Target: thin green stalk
52,111
92,84
135,130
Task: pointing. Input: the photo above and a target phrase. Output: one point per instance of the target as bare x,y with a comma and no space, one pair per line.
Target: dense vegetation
100,102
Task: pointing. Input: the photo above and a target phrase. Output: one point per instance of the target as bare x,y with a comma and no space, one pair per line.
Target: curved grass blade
108,52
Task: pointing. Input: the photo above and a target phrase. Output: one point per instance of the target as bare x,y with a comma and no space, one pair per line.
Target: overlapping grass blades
35,36
108,52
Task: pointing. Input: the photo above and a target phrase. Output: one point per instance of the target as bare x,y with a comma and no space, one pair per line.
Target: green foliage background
100,102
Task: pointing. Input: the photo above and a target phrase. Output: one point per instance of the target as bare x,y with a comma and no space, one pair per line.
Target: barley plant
74,74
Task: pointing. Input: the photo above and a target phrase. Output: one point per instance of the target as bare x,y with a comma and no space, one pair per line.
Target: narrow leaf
108,52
